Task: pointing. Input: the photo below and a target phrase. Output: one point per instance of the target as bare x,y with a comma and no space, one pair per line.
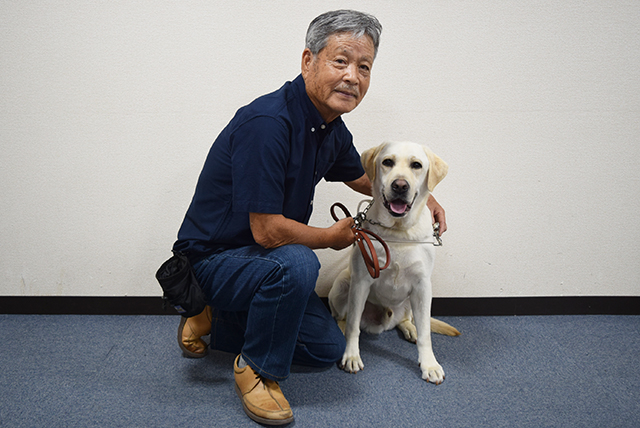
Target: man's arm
437,213
275,230
363,185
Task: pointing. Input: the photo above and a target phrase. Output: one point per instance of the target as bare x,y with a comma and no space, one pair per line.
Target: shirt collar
315,120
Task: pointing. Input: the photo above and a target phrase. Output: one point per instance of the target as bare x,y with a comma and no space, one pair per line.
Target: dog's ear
368,159
437,169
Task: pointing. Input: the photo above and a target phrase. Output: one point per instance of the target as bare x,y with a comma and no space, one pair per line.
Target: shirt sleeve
259,153
347,166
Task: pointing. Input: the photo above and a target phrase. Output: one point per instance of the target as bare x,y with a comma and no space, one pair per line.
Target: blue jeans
265,307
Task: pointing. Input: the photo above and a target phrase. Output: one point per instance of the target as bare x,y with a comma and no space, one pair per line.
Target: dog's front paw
433,373
351,364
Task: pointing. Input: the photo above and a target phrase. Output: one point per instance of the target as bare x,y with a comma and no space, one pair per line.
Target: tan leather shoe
190,332
262,398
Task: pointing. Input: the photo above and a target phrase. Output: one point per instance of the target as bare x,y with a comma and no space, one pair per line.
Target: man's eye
416,165
388,163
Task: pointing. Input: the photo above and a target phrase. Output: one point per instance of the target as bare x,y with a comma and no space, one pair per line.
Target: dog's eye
388,163
416,165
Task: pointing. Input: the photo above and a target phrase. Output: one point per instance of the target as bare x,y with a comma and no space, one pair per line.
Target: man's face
338,77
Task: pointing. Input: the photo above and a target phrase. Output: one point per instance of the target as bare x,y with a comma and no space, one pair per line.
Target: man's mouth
396,207
347,92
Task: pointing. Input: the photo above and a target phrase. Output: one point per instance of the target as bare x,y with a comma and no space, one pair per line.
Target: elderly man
246,234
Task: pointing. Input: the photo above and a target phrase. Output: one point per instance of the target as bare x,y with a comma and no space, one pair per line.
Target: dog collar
437,240
361,217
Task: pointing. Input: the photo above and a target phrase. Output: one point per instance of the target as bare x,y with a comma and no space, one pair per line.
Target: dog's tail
442,327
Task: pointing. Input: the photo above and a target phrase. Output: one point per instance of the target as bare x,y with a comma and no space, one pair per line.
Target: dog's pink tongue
398,206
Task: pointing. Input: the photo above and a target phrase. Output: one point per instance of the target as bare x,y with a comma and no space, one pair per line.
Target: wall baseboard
586,305
443,306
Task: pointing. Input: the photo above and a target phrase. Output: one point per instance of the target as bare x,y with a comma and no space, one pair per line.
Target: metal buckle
437,241
361,217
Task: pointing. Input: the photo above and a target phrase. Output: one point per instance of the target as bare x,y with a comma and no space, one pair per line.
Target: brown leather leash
364,242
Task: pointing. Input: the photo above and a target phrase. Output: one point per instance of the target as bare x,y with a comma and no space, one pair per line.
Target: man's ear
368,159
307,60
437,169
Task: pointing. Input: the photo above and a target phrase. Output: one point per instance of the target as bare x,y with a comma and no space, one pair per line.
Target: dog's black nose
400,186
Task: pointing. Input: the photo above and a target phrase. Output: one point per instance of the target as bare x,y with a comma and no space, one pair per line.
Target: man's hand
437,213
343,233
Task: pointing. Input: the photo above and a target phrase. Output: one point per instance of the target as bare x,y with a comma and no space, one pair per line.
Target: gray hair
342,21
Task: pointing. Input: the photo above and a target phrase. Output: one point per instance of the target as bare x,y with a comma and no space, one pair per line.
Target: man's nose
351,74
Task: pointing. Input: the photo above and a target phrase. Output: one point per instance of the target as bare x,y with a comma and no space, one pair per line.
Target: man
246,231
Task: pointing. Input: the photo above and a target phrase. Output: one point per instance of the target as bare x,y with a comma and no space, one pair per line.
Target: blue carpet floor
127,371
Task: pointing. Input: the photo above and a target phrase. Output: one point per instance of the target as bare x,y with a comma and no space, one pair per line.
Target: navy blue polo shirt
267,160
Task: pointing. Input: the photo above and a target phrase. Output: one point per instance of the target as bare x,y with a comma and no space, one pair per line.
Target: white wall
108,109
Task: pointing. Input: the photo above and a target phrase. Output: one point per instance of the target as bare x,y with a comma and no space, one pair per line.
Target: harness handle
365,244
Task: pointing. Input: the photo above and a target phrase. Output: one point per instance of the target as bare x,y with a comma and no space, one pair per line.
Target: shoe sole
260,419
185,352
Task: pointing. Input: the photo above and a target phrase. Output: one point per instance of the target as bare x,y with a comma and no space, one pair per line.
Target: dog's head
402,174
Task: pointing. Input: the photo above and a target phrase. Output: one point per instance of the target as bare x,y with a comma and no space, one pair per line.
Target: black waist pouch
180,286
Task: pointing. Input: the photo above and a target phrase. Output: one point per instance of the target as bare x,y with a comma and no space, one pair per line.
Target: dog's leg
358,293
406,325
421,306
408,330
339,296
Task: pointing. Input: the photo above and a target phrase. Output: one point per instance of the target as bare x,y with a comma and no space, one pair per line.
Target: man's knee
320,342
299,263
334,352
321,354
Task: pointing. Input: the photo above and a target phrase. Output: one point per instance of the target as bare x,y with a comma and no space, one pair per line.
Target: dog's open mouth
397,207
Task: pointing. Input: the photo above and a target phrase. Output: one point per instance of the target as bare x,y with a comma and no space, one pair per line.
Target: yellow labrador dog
403,175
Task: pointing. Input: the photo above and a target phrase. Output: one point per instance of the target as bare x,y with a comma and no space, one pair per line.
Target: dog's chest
396,282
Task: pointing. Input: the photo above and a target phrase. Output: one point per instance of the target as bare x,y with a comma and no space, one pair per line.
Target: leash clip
361,217
359,220
437,241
